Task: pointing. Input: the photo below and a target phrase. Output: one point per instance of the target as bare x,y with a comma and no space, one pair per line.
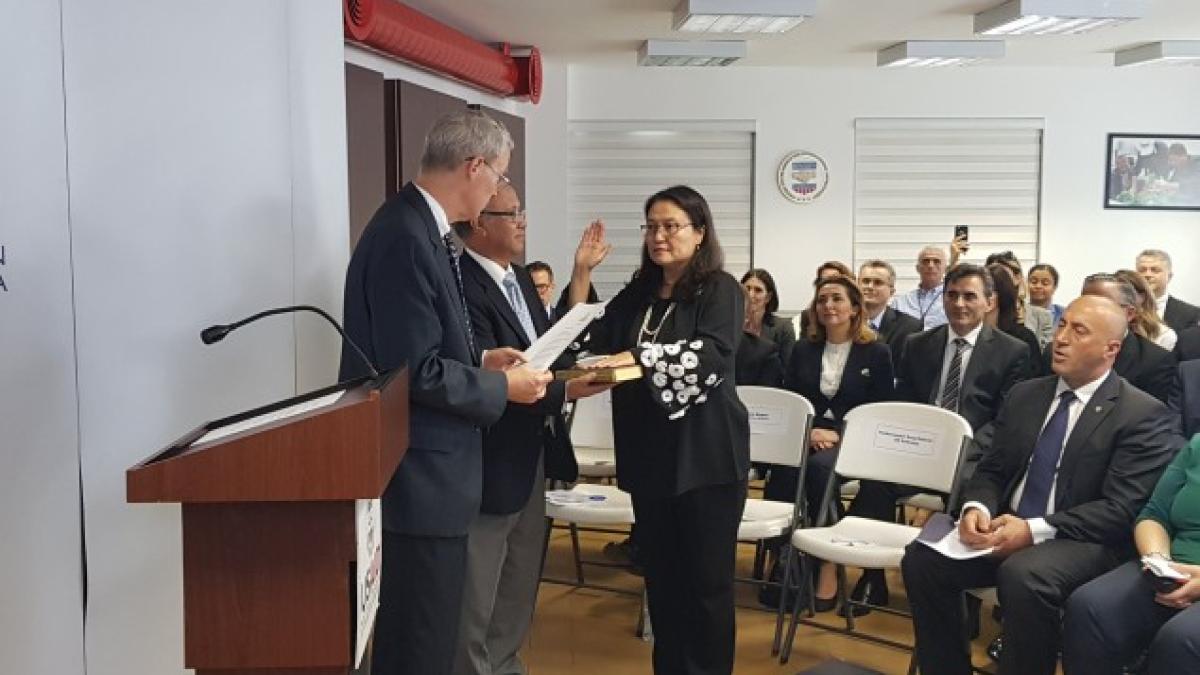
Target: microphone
218,332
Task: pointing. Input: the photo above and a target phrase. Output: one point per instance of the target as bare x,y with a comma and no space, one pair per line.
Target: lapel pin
1099,408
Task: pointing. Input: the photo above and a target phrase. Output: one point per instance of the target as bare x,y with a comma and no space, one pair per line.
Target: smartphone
1162,584
960,231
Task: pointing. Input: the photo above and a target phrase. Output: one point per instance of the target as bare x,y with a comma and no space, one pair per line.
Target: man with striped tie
965,366
1075,457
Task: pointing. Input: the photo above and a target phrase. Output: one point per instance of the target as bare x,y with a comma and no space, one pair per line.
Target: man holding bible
1075,457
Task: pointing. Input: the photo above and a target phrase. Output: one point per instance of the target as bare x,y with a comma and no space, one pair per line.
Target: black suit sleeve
407,329
1001,460
1140,451
1161,378
1016,370
905,391
883,378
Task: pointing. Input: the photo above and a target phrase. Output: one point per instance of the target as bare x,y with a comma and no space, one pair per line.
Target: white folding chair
594,506
907,443
780,422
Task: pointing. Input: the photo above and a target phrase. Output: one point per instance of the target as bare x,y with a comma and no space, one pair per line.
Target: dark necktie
953,386
1044,462
452,250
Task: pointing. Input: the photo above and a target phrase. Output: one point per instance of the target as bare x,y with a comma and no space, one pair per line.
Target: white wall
208,181
41,576
815,109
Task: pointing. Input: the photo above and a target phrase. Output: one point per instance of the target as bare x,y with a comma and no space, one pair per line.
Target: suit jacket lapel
533,302
494,295
449,284
979,358
1100,405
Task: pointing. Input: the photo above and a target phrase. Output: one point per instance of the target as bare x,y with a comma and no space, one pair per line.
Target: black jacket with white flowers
681,426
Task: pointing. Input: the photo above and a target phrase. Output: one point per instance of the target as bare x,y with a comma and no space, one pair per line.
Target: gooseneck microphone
217,333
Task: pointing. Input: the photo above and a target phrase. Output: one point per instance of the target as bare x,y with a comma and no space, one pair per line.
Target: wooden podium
269,525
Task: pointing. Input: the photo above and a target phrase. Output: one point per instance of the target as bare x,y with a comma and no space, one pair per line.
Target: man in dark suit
404,305
1075,456
1187,402
757,362
965,366
1142,363
1155,267
543,280
1187,345
504,545
878,281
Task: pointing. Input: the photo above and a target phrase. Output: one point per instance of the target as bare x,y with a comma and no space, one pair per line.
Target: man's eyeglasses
501,179
669,228
515,215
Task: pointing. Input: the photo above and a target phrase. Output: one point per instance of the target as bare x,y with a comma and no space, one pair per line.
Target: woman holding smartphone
682,436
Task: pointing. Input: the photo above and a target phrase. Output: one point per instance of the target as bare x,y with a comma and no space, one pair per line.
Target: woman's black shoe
824,604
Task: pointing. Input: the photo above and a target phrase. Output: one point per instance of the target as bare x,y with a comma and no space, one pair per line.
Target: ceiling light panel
690,52
939,53
1164,53
742,16
1057,17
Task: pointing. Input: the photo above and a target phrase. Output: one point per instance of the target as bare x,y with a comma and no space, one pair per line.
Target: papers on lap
941,534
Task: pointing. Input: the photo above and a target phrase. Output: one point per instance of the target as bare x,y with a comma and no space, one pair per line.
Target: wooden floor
584,631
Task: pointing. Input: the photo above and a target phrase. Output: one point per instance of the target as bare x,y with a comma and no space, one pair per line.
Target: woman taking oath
682,435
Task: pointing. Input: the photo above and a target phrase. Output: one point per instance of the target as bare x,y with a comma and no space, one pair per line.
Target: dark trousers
1032,584
420,601
689,544
781,484
1110,621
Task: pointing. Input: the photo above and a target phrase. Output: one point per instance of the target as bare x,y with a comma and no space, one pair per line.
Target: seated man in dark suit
404,306
543,280
965,366
1155,267
1142,363
1075,457
504,544
1187,402
878,281
1187,347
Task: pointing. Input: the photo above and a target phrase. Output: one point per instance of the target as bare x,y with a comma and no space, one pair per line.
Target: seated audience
1038,319
924,303
1075,457
1155,267
757,362
1144,364
762,301
543,282
965,366
1003,315
837,366
877,279
1112,620
825,271
1042,282
1146,322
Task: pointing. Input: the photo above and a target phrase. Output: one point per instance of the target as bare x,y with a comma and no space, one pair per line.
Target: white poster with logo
369,535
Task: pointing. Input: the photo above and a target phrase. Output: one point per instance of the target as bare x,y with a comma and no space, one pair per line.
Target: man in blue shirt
924,302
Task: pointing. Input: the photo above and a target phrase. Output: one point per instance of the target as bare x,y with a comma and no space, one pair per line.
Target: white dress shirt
439,214
1040,529
948,356
925,305
1161,304
493,269
833,364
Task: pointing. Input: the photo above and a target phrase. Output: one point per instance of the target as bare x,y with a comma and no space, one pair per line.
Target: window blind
915,179
615,166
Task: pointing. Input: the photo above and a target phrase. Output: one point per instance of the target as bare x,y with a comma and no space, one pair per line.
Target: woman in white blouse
836,365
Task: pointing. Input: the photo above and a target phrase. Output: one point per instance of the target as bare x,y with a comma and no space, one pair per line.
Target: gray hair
1157,253
1125,289
880,264
940,251
458,136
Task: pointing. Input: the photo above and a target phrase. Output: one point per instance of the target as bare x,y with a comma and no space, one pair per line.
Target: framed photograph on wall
1152,171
